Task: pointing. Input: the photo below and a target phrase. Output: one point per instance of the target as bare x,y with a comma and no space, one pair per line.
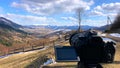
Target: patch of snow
101,34
115,34
6,56
2,56
63,30
48,62
107,39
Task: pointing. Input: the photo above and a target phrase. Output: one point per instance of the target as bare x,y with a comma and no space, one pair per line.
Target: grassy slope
26,60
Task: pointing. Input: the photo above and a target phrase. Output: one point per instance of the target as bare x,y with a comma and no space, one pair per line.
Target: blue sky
59,12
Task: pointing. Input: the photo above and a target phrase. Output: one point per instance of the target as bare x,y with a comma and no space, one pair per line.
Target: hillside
8,30
11,36
6,22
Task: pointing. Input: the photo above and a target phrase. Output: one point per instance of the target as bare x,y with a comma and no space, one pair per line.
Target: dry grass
25,60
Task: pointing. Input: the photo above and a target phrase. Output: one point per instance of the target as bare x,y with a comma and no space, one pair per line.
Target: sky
59,12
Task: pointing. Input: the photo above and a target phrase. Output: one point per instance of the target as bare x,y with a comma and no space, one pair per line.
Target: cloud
38,20
29,19
22,6
69,18
96,13
111,7
43,7
42,1
93,22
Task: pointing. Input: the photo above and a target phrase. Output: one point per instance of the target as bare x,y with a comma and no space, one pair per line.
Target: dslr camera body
91,48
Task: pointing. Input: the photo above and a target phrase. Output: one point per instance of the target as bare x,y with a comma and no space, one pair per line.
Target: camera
88,47
91,48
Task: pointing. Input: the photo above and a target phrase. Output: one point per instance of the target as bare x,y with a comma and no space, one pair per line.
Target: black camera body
91,48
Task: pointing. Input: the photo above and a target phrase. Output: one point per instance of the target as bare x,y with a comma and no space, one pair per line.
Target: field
32,59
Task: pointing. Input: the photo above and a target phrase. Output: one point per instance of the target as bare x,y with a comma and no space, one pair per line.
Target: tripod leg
85,65
80,65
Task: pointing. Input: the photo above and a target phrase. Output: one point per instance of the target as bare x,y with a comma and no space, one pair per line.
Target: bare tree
79,13
109,22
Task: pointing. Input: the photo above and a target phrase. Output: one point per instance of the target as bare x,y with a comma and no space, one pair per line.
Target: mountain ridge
9,23
54,27
8,31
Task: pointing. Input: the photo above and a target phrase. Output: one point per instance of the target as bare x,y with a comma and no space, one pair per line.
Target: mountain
102,28
50,30
4,21
10,32
9,25
84,27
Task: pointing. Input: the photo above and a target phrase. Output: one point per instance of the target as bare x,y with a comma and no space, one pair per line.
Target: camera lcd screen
65,54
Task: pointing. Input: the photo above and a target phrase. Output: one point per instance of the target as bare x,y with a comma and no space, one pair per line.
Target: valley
32,46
